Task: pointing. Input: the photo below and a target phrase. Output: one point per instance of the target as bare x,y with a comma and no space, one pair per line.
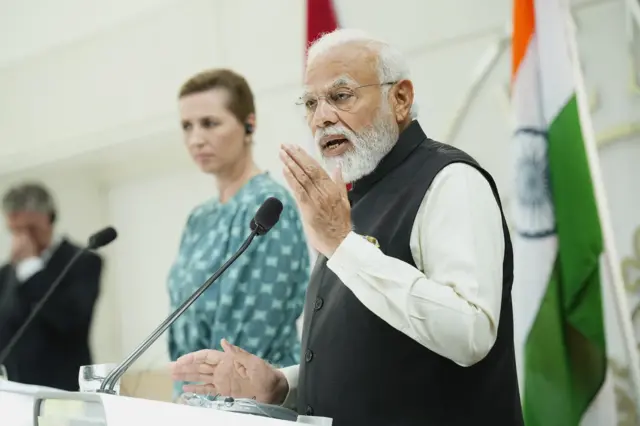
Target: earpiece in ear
248,128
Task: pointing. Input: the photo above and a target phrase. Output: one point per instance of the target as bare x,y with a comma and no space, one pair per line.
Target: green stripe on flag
565,352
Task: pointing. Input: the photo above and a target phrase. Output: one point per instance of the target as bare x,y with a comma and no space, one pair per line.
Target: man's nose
325,114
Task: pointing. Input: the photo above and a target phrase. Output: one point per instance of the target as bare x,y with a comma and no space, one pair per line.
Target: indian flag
557,239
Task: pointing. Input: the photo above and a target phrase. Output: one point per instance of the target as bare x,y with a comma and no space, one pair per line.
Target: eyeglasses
342,98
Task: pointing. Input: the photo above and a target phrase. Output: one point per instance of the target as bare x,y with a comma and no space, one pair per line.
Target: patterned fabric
256,302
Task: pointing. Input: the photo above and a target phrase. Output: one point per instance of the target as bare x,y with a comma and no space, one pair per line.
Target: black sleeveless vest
356,368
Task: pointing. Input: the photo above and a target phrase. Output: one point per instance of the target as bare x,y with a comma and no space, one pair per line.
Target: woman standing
256,302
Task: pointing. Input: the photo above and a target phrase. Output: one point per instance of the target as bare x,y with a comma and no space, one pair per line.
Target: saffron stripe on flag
523,31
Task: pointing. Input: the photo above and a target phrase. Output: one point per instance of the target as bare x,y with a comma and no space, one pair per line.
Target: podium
25,405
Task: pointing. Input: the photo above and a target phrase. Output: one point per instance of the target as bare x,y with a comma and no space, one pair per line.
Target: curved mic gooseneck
266,217
108,384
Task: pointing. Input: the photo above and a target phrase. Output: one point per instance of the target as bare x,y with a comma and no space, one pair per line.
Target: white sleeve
450,303
28,267
291,374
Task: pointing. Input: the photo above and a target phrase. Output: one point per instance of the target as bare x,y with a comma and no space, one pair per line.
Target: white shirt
30,266
451,302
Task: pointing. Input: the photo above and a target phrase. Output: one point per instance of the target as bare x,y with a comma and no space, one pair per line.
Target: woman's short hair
241,102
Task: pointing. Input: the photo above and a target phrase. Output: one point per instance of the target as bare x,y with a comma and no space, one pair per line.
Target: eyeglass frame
300,101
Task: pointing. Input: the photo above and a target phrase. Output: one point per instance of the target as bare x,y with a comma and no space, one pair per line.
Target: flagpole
487,64
610,251
633,9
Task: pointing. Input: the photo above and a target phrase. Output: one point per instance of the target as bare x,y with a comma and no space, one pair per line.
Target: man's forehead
329,83
25,215
17,219
341,65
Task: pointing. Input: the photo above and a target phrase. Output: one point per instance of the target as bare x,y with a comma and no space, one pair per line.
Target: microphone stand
112,378
96,241
4,354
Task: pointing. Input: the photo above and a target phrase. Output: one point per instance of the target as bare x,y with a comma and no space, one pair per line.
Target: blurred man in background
56,343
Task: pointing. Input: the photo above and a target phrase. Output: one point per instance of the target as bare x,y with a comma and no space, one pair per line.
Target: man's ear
402,95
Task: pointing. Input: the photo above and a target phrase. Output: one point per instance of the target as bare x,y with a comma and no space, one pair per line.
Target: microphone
96,241
267,215
102,238
265,218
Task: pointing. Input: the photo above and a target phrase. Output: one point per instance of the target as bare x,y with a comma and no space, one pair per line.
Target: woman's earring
248,130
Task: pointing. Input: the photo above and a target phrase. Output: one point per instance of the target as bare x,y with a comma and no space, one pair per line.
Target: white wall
149,215
91,90
40,25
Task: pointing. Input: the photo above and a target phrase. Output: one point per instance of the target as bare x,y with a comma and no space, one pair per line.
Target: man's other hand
232,372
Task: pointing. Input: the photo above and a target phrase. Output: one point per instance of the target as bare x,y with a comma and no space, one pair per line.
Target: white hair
392,65
29,197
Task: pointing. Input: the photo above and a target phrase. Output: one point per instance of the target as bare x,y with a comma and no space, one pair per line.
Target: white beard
369,146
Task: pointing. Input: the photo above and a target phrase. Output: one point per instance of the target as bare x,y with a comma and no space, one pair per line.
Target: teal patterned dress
256,302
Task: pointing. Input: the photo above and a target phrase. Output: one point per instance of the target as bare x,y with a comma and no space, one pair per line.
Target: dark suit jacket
56,343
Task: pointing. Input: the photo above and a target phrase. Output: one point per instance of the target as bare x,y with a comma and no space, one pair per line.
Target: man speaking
408,317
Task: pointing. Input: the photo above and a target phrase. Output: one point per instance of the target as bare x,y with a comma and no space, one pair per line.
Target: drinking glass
319,421
90,377
3,373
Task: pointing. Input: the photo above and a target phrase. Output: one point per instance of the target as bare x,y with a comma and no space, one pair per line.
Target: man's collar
408,140
56,240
